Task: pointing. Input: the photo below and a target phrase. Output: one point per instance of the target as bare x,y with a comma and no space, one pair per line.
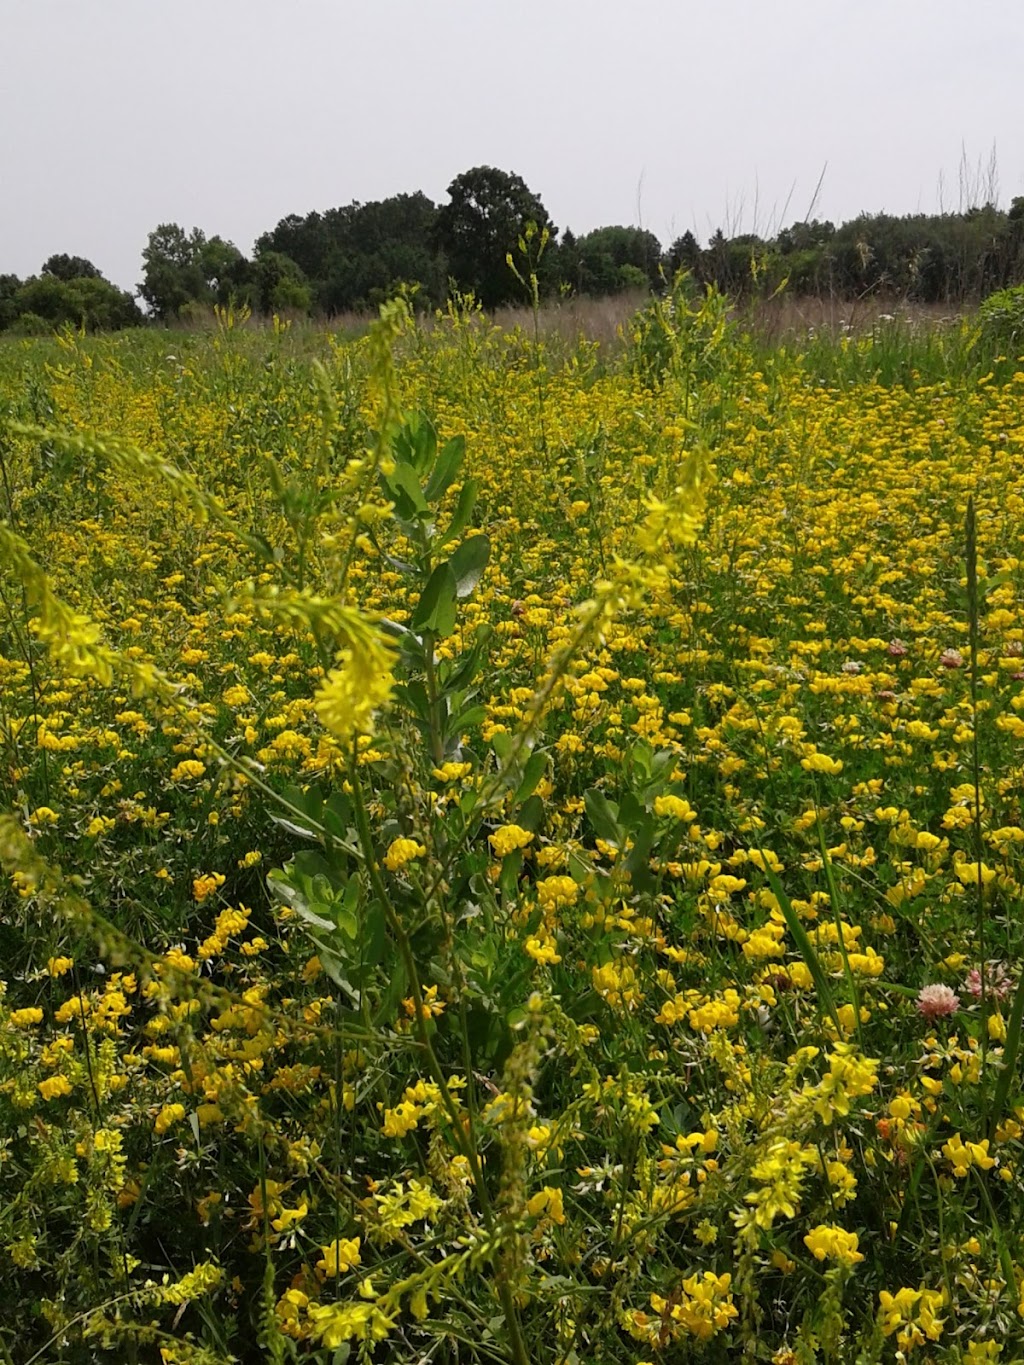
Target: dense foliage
354,257
67,290
509,859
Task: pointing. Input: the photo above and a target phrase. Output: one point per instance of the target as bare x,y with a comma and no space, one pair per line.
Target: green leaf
468,719
290,827
826,1001
465,666
393,993
374,934
404,486
1011,1049
416,443
531,814
501,743
437,605
338,815
603,815
413,697
468,564
468,494
511,866
449,462
532,774
638,862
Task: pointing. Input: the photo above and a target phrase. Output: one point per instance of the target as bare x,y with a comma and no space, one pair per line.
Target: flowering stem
463,1138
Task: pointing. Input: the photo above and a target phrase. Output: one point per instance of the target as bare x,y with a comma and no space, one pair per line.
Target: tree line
351,258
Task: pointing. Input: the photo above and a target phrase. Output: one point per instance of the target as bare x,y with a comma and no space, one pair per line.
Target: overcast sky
117,115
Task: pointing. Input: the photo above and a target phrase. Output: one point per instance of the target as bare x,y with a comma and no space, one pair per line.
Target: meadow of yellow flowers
512,854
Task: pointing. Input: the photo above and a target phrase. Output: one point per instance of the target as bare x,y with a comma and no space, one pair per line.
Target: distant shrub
1001,317
30,325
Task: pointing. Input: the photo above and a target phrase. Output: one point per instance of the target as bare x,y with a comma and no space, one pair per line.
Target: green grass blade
826,1000
1011,1051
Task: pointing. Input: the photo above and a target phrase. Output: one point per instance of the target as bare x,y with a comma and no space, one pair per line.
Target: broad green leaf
468,564
468,719
603,815
531,813
511,866
404,486
436,608
463,511
449,462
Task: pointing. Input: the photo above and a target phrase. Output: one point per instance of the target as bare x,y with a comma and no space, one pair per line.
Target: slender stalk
972,623
463,1138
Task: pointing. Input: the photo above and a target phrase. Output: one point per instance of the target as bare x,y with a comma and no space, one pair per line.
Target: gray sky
117,115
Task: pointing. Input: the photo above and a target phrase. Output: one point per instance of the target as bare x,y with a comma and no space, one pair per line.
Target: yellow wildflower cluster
701,1018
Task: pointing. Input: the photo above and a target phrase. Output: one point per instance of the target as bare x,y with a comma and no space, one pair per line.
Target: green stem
464,1139
972,619
433,700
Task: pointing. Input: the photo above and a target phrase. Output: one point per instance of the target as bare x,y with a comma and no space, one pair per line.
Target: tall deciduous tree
488,210
172,270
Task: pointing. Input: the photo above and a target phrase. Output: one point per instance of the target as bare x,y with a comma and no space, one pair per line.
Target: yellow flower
826,1240
967,873
704,1307
288,1218
821,763
207,884
547,1202
54,1087
189,770
336,1323
542,950
963,1155
339,1257
25,1018
357,687
555,893
402,851
168,1116
236,696
507,838
675,808
401,1120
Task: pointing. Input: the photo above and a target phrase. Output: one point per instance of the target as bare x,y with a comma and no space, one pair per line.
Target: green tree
173,271
355,255
226,272
84,301
611,257
9,286
279,286
488,210
683,254
66,267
